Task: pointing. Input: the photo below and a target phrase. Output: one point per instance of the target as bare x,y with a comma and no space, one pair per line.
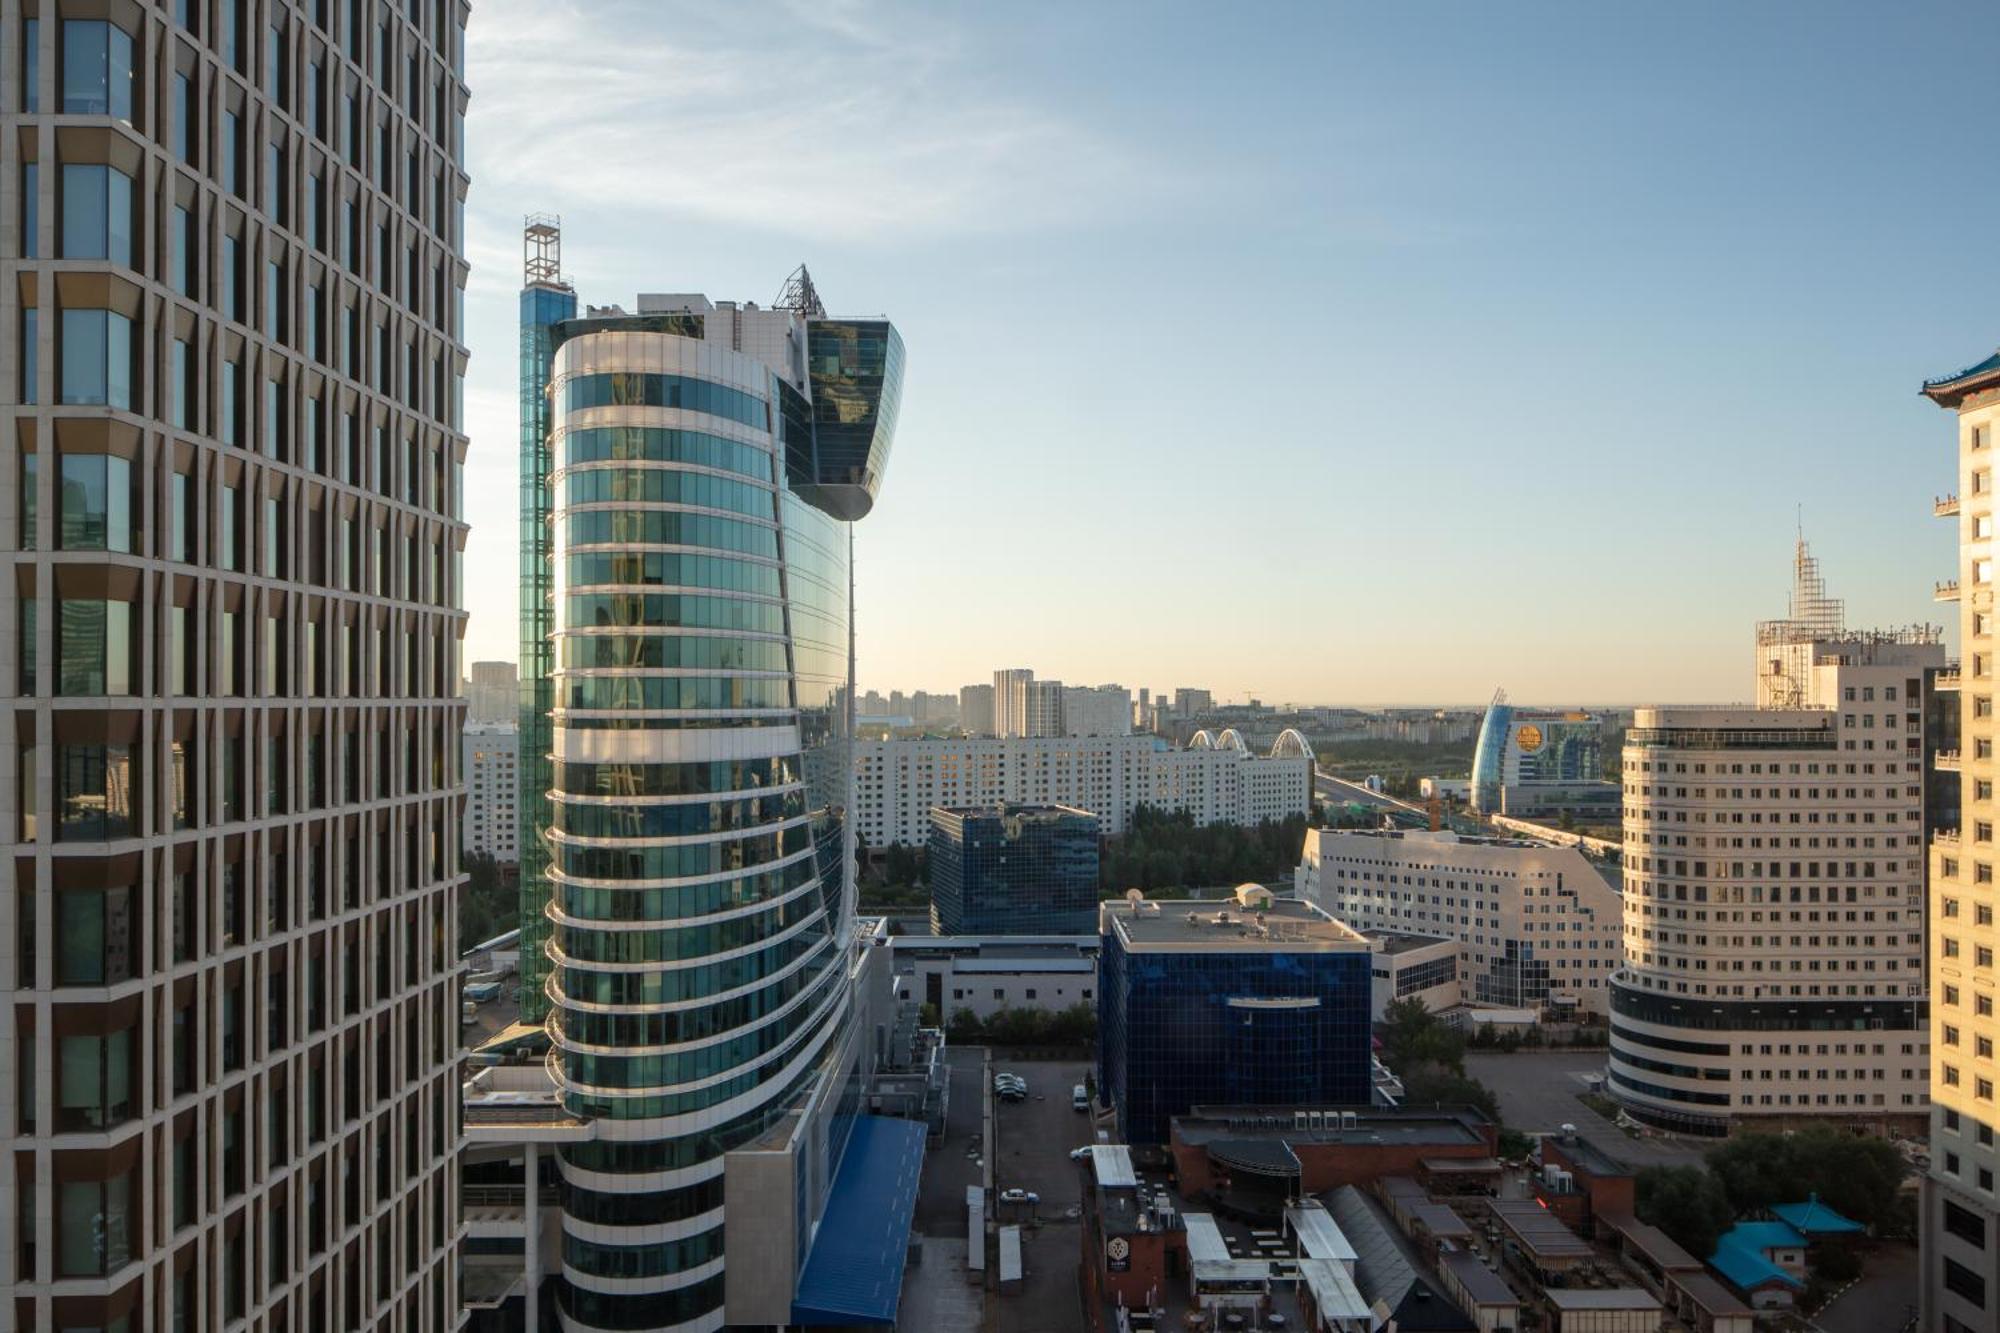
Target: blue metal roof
854,1274
1813,1218
1739,1254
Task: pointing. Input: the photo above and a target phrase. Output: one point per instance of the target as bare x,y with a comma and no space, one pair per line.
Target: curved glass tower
698,851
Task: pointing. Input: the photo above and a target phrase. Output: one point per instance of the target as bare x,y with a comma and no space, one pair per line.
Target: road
1538,1095
1882,1301
1332,788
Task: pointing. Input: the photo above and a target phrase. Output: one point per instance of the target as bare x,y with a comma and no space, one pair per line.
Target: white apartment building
1774,888
1960,1210
1536,924
988,973
493,799
1096,710
898,781
975,710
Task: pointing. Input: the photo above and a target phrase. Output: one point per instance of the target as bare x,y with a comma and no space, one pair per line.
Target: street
1538,1095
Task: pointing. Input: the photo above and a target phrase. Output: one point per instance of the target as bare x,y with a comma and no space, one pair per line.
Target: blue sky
1321,353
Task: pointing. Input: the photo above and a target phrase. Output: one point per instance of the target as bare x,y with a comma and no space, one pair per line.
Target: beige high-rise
1960,1216
231,266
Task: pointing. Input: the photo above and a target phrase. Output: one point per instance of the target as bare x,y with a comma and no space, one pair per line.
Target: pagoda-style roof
1954,389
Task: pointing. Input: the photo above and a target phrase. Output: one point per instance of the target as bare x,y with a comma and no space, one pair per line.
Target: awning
854,1274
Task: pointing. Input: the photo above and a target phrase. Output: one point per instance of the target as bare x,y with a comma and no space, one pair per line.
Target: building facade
1262,1002
492,694
899,782
1096,710
1538,927
233,451
492,792
1774,889
707,460
1533,763
975,710
1013,870
984,974
1960,1211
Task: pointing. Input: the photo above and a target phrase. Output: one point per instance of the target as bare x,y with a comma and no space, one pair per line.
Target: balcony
1948,676
1946,761
1945,506
1947,838
1946,591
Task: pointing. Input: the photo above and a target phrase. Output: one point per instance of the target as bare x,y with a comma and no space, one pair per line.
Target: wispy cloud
835,119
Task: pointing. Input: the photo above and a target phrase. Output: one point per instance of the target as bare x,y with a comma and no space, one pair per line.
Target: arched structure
1201,740
1292,744
1232,739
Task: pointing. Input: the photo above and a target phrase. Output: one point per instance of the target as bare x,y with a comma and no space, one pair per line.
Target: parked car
1079,1154
1020,1196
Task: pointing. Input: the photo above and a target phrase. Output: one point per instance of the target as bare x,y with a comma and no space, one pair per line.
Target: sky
1325,353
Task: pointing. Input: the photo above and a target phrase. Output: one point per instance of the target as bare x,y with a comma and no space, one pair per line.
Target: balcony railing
1945,506
1946,591
1946,761
1945,838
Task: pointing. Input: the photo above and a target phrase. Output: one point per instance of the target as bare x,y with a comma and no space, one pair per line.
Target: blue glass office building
698,672
1013,870
1263,1002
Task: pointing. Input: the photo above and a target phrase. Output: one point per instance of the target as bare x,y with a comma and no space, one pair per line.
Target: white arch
1201,740
1231,739
1292,744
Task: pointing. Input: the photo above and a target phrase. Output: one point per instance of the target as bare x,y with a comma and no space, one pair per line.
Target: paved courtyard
1538,1095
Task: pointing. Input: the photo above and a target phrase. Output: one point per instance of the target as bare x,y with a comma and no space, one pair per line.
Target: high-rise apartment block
492,694
492,792
703,463
899,782
1960,1211
1096,710
1011,688
1538,926
1774,888
1013,870
231,269
975,710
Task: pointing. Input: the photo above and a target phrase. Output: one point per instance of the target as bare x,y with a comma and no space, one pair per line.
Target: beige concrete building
1960,1214
1774,886
1537,926
232,261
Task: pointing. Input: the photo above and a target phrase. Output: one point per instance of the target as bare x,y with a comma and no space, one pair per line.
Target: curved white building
706,463
1774,889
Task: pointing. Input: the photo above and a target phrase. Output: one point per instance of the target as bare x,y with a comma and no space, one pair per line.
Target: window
96,792
96,214
95,1082
181,251
96,70
1962,1281
95,503
31,209
96,652
96,358
93,1226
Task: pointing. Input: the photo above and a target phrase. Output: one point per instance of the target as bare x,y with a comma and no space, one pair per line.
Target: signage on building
1118,1254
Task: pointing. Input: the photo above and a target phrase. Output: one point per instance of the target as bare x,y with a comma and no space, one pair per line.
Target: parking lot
1538,1095
1035,1138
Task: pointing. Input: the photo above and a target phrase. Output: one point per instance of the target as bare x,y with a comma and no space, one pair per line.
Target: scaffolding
799,294
541,251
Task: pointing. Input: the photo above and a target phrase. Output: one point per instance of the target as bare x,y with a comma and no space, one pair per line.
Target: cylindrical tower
700,660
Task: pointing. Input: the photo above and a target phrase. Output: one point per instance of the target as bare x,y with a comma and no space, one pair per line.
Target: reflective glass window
95,649
96,503
96,792
31,209
97,69
96,213
94,1226
96,361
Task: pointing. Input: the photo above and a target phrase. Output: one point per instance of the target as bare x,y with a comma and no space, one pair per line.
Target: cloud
842,122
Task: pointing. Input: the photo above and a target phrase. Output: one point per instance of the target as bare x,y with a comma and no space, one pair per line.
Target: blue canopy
854,1274
1740,1254
1813,1218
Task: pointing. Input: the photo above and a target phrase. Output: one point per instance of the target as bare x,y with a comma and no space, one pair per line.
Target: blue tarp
1813,1218
1740,1254
854,1274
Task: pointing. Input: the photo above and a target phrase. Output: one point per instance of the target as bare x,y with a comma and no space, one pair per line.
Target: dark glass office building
1264,1002
1013,870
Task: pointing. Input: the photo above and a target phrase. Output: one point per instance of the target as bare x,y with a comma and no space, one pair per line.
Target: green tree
1686,1202
1413,1035
487,907
1856,1176
1434,1085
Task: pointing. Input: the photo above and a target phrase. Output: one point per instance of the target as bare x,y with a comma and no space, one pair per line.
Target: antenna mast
799,294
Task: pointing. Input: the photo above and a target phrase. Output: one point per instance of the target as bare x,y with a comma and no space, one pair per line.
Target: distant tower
546,300
1784,647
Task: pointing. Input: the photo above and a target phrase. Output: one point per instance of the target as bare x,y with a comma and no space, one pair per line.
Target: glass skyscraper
1262,1002
1013,870
705,462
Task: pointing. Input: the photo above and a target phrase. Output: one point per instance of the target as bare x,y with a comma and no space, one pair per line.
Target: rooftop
1613,1298
1952,389
1482,1286
1813,1218
1203,1125
1394,942
1587,1156
1538,1230
1283,925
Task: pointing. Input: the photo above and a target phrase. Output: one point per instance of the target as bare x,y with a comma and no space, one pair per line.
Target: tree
487,907
1413,1035
1687,1203
1429,1084
1856,1176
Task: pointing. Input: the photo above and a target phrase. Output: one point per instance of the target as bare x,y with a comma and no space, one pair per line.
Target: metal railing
1945,506
1946,590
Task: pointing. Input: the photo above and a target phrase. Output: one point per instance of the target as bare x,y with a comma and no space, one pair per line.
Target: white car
1020,1196
1079,1154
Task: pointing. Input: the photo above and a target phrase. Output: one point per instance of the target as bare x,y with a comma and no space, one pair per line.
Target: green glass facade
542,308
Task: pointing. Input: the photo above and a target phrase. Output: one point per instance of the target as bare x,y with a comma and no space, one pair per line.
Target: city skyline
1636,266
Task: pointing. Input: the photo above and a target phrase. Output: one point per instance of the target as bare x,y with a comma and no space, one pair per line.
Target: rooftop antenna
799,294
541,251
